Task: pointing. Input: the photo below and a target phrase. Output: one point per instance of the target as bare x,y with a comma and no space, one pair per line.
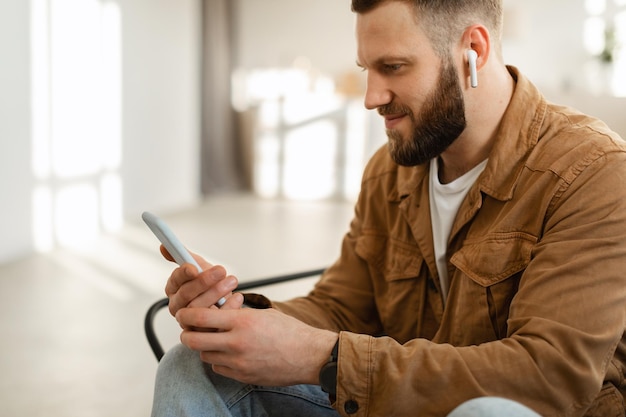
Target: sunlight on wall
76,120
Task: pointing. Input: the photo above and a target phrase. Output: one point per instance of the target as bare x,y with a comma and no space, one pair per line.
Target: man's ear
477,46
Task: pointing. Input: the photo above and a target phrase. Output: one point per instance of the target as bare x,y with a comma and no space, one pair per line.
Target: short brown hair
445,20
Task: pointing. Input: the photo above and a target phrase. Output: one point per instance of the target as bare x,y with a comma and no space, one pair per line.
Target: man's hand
186,287
262,347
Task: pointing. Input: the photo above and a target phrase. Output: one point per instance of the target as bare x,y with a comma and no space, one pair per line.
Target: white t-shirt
445,200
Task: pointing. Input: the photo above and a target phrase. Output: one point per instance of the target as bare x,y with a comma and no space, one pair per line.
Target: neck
485,108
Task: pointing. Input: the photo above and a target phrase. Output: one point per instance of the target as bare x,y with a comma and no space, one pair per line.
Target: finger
204,264
233,302
219,364
181,287
166,254
179,277
193,283
222,288
203,318
216,366
176,281
202,340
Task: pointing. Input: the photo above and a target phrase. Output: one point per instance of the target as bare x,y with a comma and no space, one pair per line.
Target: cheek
415,92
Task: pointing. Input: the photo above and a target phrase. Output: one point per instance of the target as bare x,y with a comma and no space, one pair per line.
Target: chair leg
148,324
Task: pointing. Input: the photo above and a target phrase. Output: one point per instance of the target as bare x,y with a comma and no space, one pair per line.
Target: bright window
605,38
76,120
309,142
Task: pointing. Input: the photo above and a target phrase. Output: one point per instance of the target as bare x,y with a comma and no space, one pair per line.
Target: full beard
440,122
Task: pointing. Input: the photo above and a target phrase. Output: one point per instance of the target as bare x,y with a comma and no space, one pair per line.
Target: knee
177,360
492,407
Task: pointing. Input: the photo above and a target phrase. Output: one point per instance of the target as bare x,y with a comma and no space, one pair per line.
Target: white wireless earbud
471,57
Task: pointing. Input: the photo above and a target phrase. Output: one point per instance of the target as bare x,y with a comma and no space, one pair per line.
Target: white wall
545,41
159,113
275,32
161,101
15,174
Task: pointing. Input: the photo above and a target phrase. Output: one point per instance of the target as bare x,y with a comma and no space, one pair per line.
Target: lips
392,120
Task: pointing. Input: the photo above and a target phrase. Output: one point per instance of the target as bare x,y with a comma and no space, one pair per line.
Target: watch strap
328,373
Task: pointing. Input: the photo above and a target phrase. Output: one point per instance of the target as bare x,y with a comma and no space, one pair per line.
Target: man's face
417,92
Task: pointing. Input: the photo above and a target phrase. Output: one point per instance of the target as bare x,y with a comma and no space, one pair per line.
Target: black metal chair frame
151,335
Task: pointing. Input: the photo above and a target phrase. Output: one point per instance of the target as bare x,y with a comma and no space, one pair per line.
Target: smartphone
173,245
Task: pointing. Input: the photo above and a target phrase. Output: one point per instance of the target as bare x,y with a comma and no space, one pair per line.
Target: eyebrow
385,59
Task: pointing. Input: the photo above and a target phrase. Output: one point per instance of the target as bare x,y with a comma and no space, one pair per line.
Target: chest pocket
488,261
395,268
392,259
488,271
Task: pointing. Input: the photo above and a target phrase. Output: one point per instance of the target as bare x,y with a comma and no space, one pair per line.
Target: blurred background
239,121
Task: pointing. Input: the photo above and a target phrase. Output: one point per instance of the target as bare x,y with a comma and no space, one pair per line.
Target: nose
377,93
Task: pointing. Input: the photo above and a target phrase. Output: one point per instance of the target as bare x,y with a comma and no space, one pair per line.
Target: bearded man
482,275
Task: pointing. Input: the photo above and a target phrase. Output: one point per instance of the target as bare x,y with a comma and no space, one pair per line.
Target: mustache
393,108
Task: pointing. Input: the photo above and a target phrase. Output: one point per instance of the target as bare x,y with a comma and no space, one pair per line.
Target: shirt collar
517,135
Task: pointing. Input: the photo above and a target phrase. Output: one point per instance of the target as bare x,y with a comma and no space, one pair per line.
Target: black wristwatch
328,373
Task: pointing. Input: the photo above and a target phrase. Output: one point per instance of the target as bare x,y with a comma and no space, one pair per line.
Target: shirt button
351,406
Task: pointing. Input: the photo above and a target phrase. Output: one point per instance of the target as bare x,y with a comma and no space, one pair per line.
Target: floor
72,329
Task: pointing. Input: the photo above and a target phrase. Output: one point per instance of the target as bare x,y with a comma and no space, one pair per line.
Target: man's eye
392,67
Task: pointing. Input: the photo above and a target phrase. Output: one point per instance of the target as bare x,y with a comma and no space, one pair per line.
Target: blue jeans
186,387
